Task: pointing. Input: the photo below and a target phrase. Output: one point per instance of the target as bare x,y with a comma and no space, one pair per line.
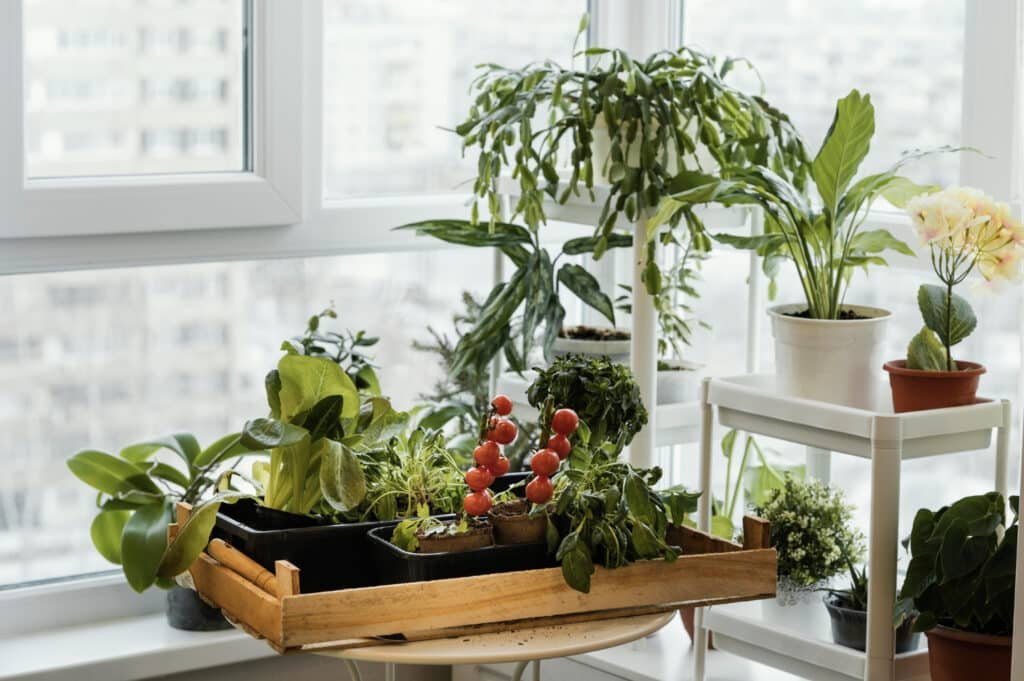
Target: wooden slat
239,598
375,611
694,542
757,533
232,558
287,578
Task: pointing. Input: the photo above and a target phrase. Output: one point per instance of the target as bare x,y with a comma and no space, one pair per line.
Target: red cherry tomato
502,431
560,444
477,503
479,478
565,422
500,467
502,405
540,490
545,462
487,454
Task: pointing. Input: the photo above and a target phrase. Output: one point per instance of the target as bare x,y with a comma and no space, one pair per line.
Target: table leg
700,634
353,670
1017,660
536,670
884,540
1003,451
389,671
517,674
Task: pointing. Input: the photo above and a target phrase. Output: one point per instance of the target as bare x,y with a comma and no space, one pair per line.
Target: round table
522,646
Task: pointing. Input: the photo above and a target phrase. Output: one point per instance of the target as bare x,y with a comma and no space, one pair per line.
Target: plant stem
949,325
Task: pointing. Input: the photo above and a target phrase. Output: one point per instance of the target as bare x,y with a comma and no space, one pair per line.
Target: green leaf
638,499
106,531
324,419
307,380
184,445
465,233
223,449
272,384
193,537
722,526
899,190
925,352
342,479
143,543
951,325
876,241
587,244
270,433
110,474
170,474
587,288
846,144
577,564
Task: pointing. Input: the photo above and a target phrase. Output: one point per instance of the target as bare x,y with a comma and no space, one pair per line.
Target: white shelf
676,423
797,639
750,403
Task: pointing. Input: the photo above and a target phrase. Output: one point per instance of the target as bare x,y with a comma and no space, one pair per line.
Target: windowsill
122,650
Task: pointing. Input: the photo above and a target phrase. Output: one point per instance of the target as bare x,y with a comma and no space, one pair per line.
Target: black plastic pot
504,482
328,556
185,610
850,627
396,565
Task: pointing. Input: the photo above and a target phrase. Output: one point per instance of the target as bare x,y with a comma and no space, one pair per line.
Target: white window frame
269,194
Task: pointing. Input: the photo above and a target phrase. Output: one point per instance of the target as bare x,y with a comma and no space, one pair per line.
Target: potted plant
812,533
136,499
347,350
603,394
825,348
848,612
965,231
596,341
961,580
424,533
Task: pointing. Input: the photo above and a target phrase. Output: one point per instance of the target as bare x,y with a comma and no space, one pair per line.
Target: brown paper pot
513,525
955,655
476,538
916,390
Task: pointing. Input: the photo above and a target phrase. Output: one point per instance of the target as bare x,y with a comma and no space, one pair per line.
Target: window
105,358
396,74
94,68
908,55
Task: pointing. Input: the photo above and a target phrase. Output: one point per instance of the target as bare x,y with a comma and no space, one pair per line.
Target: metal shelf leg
886,450
700,634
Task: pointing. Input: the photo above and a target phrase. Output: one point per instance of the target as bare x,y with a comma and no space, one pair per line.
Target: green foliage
657,112
603,394
612,514
855,597
811,530
347,350
825,243
527,308
962,567
137,496
926,352
407,533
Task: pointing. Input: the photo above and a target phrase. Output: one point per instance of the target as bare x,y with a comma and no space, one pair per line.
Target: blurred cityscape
103,359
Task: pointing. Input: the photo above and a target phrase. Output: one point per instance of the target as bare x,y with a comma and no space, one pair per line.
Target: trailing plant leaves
587,288
588,244
950,325
342,479
105,532
110,474
193,536
465,233
925,352
847,142
143,543
264,433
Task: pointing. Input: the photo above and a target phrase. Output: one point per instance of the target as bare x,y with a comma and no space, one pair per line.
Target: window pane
104,359
811,53
117,87
397,72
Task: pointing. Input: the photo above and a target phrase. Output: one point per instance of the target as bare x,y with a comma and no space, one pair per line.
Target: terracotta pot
513,525
916,390
475,538
955,655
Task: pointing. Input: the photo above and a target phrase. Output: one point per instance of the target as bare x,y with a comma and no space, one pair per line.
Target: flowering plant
811,531
965,229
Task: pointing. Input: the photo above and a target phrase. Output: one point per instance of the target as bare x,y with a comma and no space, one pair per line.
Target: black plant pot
185,610
850,627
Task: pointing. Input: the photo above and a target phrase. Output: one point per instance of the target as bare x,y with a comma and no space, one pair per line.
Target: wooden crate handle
757,533
232,558
181,512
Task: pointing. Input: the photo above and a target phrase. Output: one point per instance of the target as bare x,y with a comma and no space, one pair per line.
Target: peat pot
831,360
916,390
955,655
513,525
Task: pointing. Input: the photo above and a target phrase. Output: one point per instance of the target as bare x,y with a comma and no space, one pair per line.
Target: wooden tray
271,606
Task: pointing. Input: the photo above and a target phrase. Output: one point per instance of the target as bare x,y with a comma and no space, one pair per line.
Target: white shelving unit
797,639
667,424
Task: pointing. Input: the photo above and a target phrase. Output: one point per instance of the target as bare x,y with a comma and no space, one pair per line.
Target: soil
844,315
511,509
667,366
478,536
598,333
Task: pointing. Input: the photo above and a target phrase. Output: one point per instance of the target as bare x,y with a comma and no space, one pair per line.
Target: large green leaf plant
821,235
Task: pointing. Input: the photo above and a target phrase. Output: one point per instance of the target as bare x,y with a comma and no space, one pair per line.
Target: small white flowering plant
966,230
811,531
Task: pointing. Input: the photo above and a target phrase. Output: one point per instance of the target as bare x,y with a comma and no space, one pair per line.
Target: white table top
537,643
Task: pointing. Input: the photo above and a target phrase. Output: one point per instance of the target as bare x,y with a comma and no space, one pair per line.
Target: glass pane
119,87
811,53
105,358
397,72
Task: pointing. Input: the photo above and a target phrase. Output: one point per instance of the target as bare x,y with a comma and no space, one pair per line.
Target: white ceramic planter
834,361
616,350
679,385
601,149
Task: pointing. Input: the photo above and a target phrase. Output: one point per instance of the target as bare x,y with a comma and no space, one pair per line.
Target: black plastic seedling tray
329,556
396,565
